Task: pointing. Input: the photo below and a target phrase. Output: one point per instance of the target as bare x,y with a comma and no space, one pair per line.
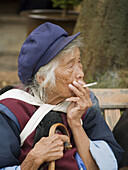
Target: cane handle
67,145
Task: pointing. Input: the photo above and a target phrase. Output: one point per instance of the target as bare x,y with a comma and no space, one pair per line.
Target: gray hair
48,71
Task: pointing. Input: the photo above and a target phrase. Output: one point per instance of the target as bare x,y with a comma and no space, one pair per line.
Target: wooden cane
67,145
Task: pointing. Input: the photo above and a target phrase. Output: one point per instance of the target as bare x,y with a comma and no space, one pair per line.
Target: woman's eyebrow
70,60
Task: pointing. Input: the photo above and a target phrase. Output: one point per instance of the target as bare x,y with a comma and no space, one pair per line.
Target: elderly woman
52,91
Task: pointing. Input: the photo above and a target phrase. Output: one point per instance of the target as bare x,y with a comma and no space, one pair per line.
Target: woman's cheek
70,70
65,75
68,73
67,78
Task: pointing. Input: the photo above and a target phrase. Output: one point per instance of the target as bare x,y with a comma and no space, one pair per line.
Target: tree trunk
104,25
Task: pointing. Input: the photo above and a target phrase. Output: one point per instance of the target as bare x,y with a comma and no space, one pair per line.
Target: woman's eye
70,65
80,64
79,61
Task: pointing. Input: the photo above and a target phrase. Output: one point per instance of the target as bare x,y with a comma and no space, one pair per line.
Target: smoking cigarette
90,84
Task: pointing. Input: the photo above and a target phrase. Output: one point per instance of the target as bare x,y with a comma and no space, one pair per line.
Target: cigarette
90,84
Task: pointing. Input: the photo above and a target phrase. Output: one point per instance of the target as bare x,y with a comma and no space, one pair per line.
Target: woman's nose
79,73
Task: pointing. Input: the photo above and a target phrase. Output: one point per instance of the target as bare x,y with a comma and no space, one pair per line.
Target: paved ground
13,32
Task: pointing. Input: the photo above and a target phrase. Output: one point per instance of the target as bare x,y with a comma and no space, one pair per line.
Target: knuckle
61,142
61,154
56,136
78,98
70,116
81,94
43,139
62,148
79,108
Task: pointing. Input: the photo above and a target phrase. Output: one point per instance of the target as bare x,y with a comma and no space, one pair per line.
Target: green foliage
65,3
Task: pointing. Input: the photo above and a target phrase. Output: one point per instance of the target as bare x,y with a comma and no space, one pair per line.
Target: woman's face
68,70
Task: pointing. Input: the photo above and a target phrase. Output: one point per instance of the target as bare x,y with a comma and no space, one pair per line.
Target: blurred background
104,28
17,19
12,35
103,25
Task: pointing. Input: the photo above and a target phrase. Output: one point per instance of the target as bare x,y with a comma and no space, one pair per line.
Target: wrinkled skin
68,70
69,81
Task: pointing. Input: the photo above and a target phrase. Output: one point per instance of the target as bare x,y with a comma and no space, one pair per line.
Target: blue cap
41,46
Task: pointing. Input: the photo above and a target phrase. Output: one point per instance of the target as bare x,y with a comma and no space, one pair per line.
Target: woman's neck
54,99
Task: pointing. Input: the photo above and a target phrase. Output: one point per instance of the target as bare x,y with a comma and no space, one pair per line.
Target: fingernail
70,85
81,82
75,83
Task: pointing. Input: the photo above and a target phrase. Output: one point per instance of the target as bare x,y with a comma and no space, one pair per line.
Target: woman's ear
40,79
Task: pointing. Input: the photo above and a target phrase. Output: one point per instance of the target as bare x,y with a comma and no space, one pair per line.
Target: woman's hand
79,104
46,150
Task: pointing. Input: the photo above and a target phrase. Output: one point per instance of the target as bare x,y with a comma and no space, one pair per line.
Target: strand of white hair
48,72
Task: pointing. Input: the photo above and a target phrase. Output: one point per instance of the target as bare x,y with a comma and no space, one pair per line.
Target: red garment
23,112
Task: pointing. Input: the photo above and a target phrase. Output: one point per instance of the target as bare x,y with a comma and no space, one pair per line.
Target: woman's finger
57,148
55,137
73,99
77,92
82,89
54,156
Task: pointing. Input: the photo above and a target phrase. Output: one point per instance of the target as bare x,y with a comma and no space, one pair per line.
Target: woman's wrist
74,124
31,162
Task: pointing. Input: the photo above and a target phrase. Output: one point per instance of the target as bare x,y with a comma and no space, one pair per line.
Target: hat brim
60,44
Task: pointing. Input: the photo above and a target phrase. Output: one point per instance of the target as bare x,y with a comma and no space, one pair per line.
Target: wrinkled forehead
70,56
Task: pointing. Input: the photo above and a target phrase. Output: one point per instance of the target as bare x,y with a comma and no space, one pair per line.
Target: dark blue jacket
93,123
